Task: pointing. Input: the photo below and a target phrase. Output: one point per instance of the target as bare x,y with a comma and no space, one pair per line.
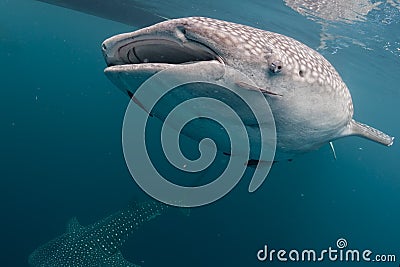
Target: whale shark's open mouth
134,57
119,50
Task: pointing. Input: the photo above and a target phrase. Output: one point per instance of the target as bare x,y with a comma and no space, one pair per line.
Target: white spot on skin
247,53
247,46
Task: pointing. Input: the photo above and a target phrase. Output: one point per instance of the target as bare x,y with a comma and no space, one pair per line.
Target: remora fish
309,100
97,244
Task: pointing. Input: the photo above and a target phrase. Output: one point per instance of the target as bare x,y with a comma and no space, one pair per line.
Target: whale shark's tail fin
368,132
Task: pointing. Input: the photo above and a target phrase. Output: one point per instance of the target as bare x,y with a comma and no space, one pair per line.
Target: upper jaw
170,47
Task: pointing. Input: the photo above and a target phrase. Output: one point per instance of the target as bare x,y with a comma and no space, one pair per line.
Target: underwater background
61,152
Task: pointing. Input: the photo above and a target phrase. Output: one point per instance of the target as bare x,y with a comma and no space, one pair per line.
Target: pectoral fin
73,226
117,260
137,102
255,88
368,132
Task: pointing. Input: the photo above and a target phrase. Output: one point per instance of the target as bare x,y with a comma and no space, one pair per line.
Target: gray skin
310,102
97,244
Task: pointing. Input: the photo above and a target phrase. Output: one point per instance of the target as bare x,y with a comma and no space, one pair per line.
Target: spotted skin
255,44
311,103
97,244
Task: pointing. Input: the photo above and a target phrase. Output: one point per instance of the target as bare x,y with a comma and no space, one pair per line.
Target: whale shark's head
258,53
171,42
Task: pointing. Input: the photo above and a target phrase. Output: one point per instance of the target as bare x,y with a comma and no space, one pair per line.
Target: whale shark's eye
275,66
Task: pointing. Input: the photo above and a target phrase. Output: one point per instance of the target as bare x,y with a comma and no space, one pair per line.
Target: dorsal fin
73,226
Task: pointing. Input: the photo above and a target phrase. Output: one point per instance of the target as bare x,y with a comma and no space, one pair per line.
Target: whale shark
310,102
96,244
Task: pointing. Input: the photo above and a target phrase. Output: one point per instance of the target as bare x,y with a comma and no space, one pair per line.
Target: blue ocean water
62,155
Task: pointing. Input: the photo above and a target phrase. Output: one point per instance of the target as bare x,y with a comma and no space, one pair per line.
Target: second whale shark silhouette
96,244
